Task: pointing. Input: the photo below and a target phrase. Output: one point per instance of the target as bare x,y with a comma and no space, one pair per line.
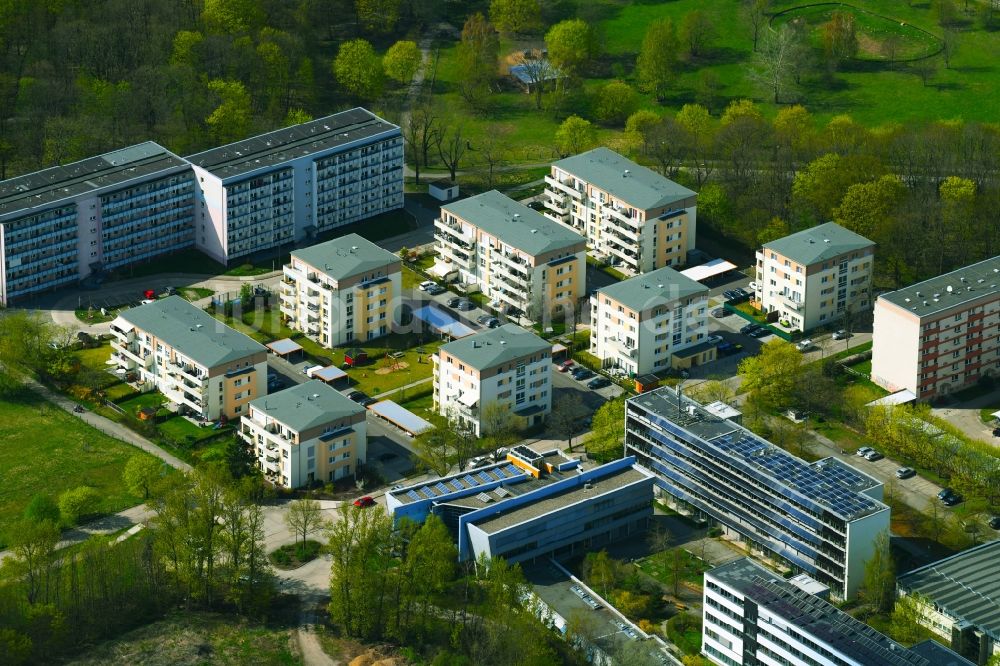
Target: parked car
477,462
727,348
484,319
426,284
994,522
357,396
905,472
841,335
863,451
720,313
453,301
759,332
945,492
804,345
362,502
582,374
464,306
536,205
598,383
873,455
565,365
753,286
493,322
748,328
729,295
952,500
713,339
435,289
996,432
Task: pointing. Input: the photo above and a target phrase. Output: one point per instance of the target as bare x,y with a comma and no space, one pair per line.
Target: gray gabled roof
653,289
346,256
965,586
819,243
633,183
192,331
946,291
495,347
308,405
514,223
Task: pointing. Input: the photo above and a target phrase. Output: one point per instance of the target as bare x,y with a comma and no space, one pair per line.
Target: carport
708,270
331,374
698,354
442,323
284,348
401,417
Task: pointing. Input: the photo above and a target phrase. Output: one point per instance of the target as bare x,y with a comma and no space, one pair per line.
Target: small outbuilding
355,356
443,189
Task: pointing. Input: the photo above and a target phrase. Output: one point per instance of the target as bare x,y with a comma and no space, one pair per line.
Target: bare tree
304,517
774,63
494,150
565,419
420,132
949,45
451,147
755,14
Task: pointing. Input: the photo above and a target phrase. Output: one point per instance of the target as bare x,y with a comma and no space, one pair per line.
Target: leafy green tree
640,128
840,39
231,119
601,571
880,575
185,48
755,13
615,102
232,16
499,423
42,508
402,61
697,30
248,573
33,544
297,117
304,517
818,188
776,228
433,450
575,135
378,16
359,69
771,378
516,16
608,426
571,46
564,421
870,208
141,474
478,58
656,65
77,503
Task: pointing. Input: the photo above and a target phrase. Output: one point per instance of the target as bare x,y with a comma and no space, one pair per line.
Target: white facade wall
210,215
895,348
861,535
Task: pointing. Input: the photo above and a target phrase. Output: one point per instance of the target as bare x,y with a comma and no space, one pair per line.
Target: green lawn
179,429
44,449
661,566
94,316
378,376
153,399
195,293
986,414
410,278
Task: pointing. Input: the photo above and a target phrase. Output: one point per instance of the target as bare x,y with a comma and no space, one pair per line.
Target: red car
565,365
364,501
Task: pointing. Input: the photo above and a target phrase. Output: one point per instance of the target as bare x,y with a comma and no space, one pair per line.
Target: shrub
42,507
78,502
282,557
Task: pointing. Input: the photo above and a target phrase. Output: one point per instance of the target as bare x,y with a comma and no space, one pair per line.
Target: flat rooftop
949,290
819,243
307,405
598,486
965,586
92,175
347,256
444,488
836,487
496,346
654,289
288,143
814,616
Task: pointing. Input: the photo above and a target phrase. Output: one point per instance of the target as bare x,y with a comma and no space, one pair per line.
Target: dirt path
309,645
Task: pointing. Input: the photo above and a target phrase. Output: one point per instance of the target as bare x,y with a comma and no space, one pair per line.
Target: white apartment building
341,291
198,363
632,216
940,335
651,322
526,264
309,433
293,184
814,277
752,616
506,366
62,224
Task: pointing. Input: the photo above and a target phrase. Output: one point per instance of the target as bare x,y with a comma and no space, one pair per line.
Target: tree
575,135
905,621
494,149
232,16
402,61
659,538
818,188
840,39
697,30
478,57
451,146
537,70
772,377
615,102
870,208
774,63
433,449
949,45
33,544
640,129
946,12
755,14
656,64
419,133
712,390
880,575
564,421
925,68
516,16
608,427
498,422
601,571
230,121
571,46
141,473
304,517
242,539
42,508
378,16
77,503
359,69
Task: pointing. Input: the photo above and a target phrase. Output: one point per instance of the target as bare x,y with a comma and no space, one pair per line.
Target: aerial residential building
816,277
533,505
295,183
651,322
65,223
819,518
631,215
198,363
506,366
305,434
958,600
753,616
522,261
939,335
341,291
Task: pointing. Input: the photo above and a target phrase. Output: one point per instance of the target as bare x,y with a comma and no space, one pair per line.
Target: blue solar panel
469,481
428,491
486,477
441,488
513,470
412,494
499,472
457,484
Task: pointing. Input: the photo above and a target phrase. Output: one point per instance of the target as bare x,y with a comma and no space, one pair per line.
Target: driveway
965,417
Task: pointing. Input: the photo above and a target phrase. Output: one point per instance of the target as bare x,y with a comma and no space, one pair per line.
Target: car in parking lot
713,339
873,455
746,330
493,323
719,313
905,472
804,345
464,305
453,301
581,374
362,502
426,284
565,365
729,348
598,383
536,205
863,451
483,319
730,295
949,497
996,432
753,286
759,332
841,335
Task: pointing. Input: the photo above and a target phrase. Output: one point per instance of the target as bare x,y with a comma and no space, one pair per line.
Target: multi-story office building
939,335
631,215
297,182
198,363
522,261
306,434
816,277
505,367
533,505
651,322
957,598
752,616
820,518
62,224
341,291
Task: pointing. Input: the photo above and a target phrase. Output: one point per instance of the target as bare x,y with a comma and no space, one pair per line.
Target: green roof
307,405
822,242
948,290
495,347
514,223
653,289
622,178
192,331
345,257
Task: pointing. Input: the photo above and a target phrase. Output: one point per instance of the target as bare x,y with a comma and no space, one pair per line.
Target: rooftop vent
826,240
534,231
503,342
949,289
588,486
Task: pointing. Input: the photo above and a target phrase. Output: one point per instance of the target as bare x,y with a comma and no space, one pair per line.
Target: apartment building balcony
509,297
510,260
614,247
558,186
625,237
450,241
455,256
617,214
455,231
786,300
509,283
128,351
622,348
187,372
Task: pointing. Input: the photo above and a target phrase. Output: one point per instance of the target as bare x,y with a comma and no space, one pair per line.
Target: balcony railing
562,187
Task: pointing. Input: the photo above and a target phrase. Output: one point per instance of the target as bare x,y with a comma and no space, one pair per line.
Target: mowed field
44,449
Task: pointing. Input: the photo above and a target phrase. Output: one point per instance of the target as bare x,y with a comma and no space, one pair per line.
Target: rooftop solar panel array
442,488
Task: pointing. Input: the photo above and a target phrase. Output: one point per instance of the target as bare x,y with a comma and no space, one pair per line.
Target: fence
784,335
